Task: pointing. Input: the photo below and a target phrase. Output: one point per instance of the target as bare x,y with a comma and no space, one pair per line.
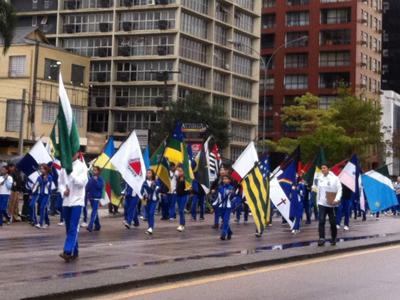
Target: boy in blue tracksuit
198,199
151,193
42,192
296,208
6,182
94,192
130,207
226,193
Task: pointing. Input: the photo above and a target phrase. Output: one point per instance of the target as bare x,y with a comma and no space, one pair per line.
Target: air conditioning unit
104,3
101,77
102,52
104,27
162,50
128,3
69,28
126,26
124,51
121,102
100,102
71,5
123,76
162,24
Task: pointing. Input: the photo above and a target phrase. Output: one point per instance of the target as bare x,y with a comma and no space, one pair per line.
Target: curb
216,266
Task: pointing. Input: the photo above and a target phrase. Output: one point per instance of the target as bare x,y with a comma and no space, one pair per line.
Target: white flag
128,160
245,162
279,199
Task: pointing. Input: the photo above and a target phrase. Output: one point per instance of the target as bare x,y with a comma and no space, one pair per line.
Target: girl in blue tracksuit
151,193
6,183
226,193
181,197
94,192
41,195
130,207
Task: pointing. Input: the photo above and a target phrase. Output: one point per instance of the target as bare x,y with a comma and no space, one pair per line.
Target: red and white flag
245,162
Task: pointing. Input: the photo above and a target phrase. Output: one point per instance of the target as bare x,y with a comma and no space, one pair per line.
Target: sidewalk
117,257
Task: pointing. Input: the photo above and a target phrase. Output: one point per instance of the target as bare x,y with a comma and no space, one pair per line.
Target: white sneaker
45,226
128,226
38,226
84,224
61,224
346,228
149,231
337,226
180,228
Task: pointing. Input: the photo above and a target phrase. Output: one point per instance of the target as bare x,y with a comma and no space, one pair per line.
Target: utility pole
34,91
21,124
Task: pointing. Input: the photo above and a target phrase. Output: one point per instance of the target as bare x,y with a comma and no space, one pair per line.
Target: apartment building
146,52
29,88
314,46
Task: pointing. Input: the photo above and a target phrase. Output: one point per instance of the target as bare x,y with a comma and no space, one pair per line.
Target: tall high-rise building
391,46
314,46
139,47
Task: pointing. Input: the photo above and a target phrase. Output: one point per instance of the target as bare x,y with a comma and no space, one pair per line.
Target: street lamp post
266,66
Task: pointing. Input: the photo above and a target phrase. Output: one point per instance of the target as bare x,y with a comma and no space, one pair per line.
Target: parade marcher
395,209
42,193
343,210
94,193
164,204
172,193
226,193
131,201
72,187
329,193
296,208
241,205
150,192
6,183
198,200
304,193
214,196
181,197
16,190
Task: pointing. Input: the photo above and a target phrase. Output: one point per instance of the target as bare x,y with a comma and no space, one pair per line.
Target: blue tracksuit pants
150,211
94,216
3,207
164,207
343,211
172,206
131,210
198,200
226,215
72,215
43,208
181,207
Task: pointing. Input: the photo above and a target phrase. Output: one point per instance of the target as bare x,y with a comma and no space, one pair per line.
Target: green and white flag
68,133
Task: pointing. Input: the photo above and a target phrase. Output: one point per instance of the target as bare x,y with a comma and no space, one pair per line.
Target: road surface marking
237,274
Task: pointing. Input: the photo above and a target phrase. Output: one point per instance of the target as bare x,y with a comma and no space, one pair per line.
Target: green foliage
351,125
8,22
194,109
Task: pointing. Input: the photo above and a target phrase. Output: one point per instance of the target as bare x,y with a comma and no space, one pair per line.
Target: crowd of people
70,195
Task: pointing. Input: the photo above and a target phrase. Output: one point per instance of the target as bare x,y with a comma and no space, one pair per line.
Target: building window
333,80
268,40
297,18
334,59
268,21
335,16
220,35
127,121
296,60
221,103
140,96
76,23
193,75
100,71
220,82
16,66
77,74
269,103
325,101
13,117
243,43
297,2
296,82
49,112
143,70
241,110
295,35
244,21
335,37
194,25
200,6
89,46
193,50
248,4
98,121
269,3
242,65
220,58
156,19
242,88
241,133
50,69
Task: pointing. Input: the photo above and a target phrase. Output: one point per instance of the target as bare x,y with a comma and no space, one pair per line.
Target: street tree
8,23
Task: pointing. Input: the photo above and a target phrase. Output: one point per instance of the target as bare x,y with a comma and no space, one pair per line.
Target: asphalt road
368,274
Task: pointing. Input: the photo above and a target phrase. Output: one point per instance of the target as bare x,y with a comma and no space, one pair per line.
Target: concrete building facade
32,64
146,52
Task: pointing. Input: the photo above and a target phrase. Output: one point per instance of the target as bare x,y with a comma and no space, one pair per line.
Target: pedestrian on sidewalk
181,197
42,192
151,194
131,201
6,183
72,187
226,193
329,193
16,191
94,193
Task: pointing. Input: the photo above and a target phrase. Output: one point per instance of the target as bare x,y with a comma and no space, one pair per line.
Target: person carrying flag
94,193
131,202
150,192
329,193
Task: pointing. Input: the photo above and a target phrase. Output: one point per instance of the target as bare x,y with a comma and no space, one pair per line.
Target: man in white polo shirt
329,193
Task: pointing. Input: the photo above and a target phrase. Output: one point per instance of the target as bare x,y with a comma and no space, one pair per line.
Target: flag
288,171
112,178
202,171
146,157
52,146
256,190
68,134
213,158
157,155
384,170
29,164
348,175
160,165
245,163
128,160
280,200
187,166
315,168
379,191
173,151
337,169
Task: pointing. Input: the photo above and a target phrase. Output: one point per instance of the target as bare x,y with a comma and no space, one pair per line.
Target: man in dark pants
329,193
